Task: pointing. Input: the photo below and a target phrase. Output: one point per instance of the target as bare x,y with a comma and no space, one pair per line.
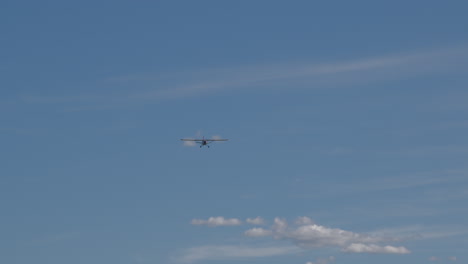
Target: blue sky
347,124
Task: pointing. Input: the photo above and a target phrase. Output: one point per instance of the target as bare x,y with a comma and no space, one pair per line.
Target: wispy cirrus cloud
279,76
397,182
437,259
217,221
372,248
258,232
211,252
422,232
328,260
58,238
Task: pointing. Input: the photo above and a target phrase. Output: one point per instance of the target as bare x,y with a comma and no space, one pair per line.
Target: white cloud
304,220
255,221
305,234
362,248
195,254
328,260
313,235
217,221
340,73
257,232
280,224
309,236
421,232
436,259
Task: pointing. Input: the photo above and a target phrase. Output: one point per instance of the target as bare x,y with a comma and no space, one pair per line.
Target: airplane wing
216,139
189,139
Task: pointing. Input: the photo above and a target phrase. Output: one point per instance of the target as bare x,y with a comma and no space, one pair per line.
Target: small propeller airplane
204,141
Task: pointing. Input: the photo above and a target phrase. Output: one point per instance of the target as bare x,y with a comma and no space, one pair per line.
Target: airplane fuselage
203,141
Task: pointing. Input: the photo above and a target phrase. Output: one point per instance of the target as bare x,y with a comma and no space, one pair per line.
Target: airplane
203,141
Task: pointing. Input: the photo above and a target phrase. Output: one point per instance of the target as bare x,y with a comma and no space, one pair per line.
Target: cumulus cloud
309,235
255,221
313,235
195,254
217,221
362,248
305,234
257,232
280,225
